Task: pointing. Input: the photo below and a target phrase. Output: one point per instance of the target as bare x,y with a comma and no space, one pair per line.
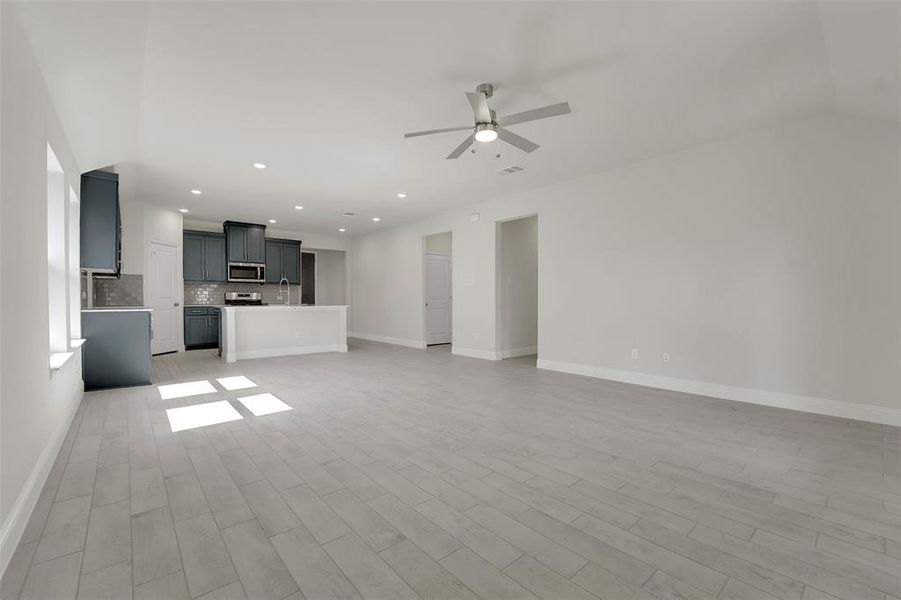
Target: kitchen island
282,330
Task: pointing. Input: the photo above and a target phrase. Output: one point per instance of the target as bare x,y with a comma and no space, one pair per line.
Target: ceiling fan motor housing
485,88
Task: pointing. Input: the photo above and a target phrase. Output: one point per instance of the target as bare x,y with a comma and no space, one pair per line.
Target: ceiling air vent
510,170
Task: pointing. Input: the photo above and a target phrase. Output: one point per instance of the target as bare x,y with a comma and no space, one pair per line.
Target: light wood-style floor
405,473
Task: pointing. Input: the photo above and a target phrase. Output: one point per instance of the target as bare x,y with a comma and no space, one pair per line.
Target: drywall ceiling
181,95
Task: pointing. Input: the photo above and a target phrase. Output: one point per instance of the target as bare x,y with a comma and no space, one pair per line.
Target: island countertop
239,307
105,309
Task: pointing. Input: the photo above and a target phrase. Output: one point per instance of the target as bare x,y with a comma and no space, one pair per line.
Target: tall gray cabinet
101,223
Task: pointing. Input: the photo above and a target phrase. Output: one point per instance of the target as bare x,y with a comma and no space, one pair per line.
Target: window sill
76,343
58,359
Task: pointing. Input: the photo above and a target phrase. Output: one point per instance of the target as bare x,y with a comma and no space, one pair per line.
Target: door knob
176,304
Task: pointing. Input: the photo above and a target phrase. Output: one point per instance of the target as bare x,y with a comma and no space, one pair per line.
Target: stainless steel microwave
241,272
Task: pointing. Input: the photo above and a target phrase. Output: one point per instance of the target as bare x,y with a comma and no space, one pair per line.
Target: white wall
766,263
440,243
518,287
36,406
133,245
331,277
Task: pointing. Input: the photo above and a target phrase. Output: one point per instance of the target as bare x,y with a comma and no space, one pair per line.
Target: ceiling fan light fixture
486,132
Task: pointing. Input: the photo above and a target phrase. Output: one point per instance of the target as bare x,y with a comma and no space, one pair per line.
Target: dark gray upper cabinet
246,242
282,260
214,258
101,229
235,236
192,257
273,261
204,256
256,243
291,261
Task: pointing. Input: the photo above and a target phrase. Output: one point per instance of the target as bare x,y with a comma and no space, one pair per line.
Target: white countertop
285,307
98,309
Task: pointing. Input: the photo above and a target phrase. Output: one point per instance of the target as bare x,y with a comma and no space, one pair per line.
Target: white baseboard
524,351
822,406
387,340
15,523
475,353
273,352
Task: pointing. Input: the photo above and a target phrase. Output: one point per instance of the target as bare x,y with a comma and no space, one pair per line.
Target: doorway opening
438,284
517,287
308,278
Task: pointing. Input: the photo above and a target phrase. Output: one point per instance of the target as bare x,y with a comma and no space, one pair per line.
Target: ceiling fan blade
480,108
461,148
434,131
552,110
516,140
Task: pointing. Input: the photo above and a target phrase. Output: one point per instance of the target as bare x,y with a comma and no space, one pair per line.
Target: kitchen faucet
288,284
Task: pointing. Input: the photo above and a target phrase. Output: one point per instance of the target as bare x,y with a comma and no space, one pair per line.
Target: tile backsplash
127,290
214,293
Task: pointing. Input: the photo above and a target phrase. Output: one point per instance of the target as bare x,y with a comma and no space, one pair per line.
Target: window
56,256
74,269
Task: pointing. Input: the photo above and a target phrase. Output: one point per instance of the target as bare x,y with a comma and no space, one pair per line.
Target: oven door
246,273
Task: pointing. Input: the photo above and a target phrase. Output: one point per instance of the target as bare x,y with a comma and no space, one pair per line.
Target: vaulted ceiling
182,95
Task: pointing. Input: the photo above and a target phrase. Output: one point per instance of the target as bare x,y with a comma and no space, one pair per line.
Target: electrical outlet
666,357
634,353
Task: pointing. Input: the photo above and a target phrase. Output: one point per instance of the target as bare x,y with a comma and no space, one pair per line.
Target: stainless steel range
244,299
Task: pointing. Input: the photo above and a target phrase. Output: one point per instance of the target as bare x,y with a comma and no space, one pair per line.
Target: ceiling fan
488,127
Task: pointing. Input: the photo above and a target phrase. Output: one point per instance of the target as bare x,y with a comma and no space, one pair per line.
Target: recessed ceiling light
376,219
259,165
272,221
196,192
401,195
298,208
341,229
184,210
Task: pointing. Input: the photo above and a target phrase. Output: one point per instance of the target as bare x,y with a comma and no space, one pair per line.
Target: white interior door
164,298
438,296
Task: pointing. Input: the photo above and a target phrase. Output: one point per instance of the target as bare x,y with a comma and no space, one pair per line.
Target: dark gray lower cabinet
116,352
201,327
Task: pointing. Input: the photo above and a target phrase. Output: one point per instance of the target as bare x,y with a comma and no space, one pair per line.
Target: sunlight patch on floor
238,382
182,390
263,404
201,415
